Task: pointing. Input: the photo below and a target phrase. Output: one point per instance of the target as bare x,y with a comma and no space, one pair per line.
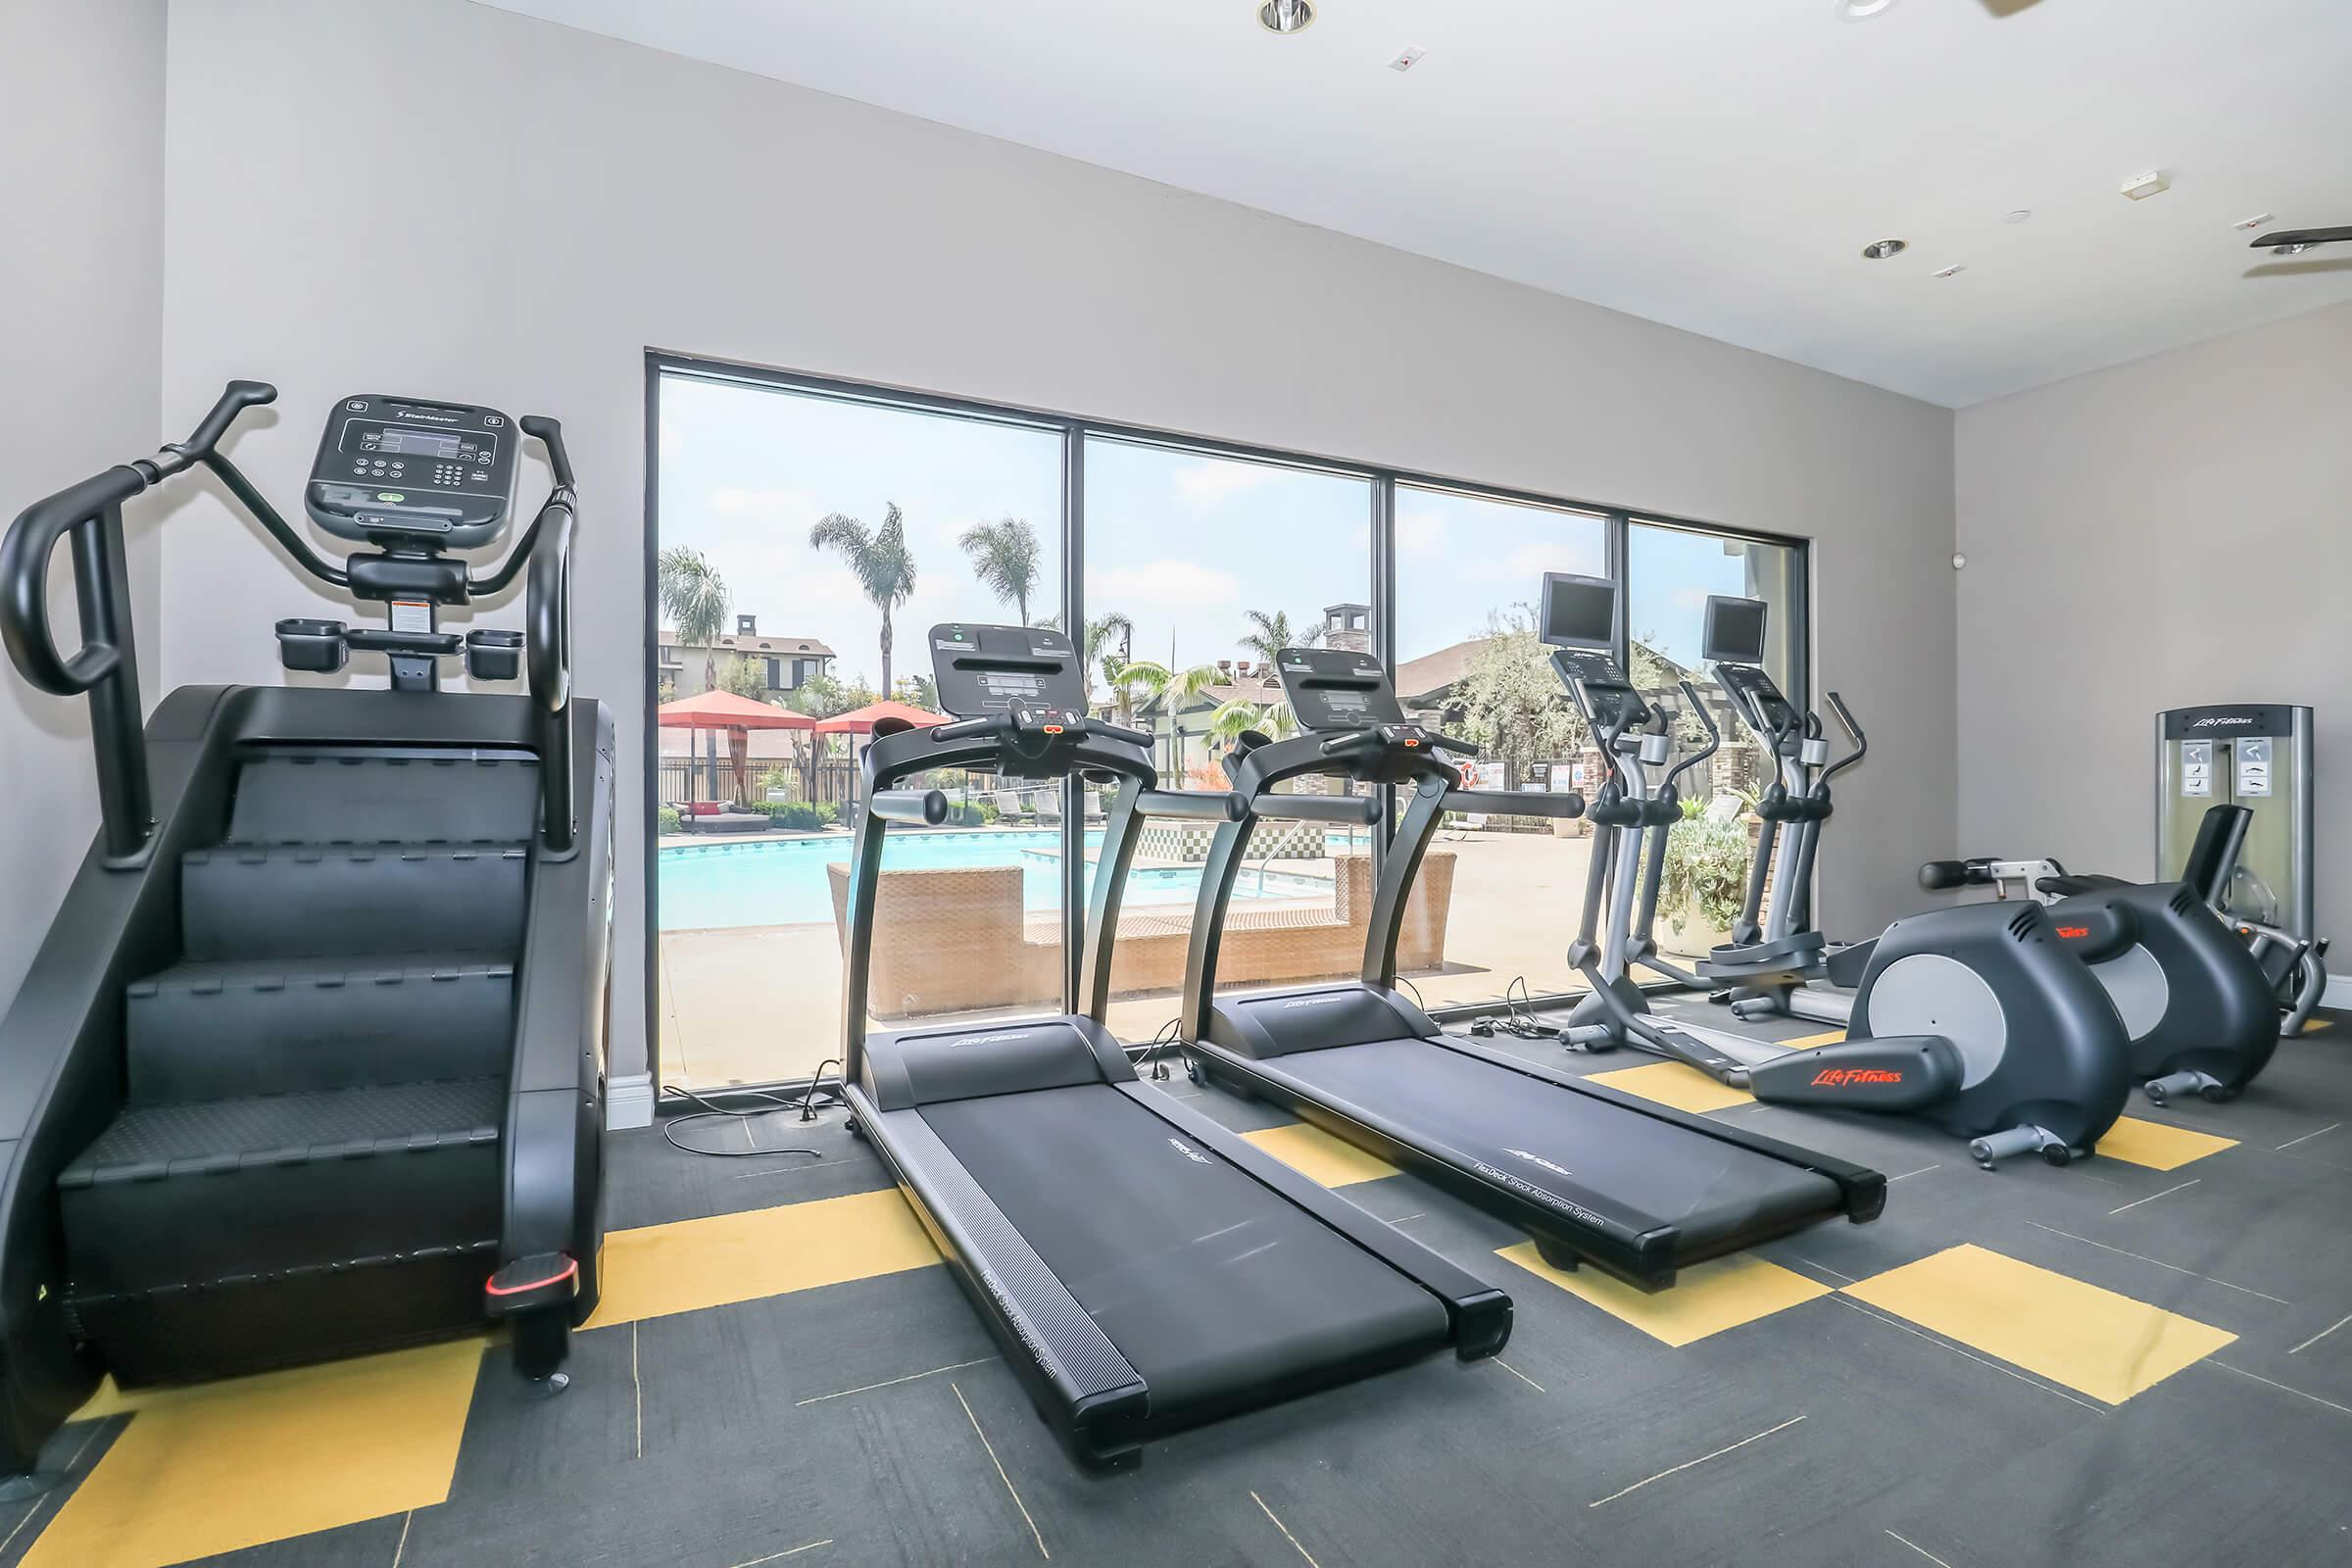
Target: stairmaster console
1579,620
418,474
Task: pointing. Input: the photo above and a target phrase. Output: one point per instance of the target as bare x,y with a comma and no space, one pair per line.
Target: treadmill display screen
1735,631
1580,612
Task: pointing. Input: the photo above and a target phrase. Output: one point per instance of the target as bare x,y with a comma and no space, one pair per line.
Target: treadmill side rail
1085,1390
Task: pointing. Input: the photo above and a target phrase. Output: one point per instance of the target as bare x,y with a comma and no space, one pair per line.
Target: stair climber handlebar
1714,738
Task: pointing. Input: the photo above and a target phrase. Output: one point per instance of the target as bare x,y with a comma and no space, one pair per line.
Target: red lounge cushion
702,808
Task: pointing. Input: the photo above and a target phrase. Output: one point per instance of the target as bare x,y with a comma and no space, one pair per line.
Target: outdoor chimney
1240,667
746,626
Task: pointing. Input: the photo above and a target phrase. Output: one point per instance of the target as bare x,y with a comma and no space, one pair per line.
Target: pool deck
762,1004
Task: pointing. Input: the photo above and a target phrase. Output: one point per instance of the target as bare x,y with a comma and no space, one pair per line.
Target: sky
1184,544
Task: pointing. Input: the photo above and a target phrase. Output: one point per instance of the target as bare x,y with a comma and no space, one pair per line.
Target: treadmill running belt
1620,1162
1206,1280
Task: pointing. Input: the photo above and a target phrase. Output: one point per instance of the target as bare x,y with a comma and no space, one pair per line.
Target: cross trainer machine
1142,1268
2195,1005
1593,1174
312,1060
1973,1018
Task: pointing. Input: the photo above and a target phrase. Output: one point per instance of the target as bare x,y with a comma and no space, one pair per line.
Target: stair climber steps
350,900
222,1237
325,796
232,1029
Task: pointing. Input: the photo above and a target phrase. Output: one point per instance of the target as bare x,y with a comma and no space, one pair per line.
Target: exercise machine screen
1580,612
1735,631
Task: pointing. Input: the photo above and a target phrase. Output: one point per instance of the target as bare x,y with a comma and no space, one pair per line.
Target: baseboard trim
629,1102
2338,993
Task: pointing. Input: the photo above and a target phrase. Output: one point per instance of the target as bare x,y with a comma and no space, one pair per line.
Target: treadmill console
1334,690
1734,643
1030,672
423,476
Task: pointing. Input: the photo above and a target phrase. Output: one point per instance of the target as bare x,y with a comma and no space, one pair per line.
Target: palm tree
695,598
1006,560
880,562
1106,648
1270,635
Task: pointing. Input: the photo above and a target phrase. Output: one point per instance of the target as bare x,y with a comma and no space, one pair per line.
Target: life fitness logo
2212,720
1849,1077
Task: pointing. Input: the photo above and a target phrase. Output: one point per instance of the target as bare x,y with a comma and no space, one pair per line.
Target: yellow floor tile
230,1465
1707,1298
1803,1042
1671,1083
1318,1155
2158,1146
2314,1025
2094,1340
696,1263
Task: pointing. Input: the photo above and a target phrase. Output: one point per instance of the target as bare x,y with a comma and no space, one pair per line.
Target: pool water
704,886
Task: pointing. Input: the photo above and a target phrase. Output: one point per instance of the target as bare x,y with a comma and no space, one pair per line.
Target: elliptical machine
1973,1018
2196,1006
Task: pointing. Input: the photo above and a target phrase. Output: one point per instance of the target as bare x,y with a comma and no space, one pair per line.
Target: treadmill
1592,1174
1142,1268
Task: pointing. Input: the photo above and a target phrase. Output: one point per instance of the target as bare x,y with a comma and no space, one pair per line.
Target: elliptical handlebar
1853,733
1714,736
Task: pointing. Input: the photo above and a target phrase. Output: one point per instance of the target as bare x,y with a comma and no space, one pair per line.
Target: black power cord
808,1104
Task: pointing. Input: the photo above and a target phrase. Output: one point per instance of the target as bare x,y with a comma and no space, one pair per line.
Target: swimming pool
704,886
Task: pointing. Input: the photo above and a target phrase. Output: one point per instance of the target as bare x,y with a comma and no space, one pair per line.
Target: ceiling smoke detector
2256,222
2140,187
1408,60
1285,15
1878,250
1953,270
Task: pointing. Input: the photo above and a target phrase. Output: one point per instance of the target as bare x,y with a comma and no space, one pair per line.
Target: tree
1514,705
695,598
821,695
880,562
1005,558
1658,677
918,691
746,677
1104,648
1268,635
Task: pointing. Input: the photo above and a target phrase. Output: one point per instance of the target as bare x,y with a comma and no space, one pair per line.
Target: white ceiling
1716,165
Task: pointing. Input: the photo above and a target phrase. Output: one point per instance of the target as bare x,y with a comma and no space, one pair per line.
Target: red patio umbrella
861,720
737,716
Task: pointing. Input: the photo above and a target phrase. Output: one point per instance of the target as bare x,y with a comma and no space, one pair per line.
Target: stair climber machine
1592,1174
1974,1018
2196,1006
1142,1268
312,1060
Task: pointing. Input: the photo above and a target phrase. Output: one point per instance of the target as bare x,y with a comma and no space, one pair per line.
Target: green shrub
669,820
1706,862
797,816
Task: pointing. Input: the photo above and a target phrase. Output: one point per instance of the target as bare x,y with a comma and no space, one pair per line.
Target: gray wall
80,314
604,199
2166,532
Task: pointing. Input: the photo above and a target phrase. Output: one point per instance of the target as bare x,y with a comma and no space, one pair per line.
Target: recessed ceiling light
2296,249
1877,250
1953,270
1860,10
1285,15
2019,215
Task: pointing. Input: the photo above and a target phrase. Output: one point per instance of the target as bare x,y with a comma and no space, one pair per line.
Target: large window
808,534
807,544
1670,574
1469,572
1198,569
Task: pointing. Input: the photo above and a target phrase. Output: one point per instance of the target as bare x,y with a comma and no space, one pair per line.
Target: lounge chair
1010,807
1047,805
710,817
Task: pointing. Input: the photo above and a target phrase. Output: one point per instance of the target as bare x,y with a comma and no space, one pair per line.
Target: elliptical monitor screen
1580,612
1735,631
